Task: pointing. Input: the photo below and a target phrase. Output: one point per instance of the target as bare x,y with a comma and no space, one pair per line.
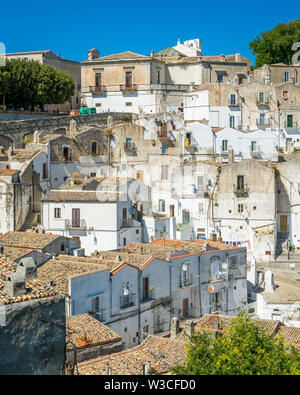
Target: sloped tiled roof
58,271
162,353
27,239
15,252
81,196
291,335
220,322
127,55
85,331
35,289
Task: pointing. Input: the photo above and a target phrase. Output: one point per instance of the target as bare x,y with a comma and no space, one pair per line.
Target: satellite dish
125,292
184,267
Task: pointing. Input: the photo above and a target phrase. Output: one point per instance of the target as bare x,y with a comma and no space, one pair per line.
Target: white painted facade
102,226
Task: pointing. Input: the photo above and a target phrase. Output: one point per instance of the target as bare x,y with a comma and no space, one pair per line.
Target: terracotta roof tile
27,239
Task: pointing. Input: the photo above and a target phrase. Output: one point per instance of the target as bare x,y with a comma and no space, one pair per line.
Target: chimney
147,369
174,327
14,285
269,281
238,57
189,328
108,370
93,54
152,54
27,268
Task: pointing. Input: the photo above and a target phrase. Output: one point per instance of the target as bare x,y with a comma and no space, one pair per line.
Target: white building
100,220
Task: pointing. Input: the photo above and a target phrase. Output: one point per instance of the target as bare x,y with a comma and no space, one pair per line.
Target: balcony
100,90
261,102
241,192
78,224
126,223
263,124
130,148
234,103
191,146
127,301
128,88
290,125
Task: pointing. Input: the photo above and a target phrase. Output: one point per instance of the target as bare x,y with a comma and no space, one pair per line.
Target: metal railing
241,192
127,223
127,301
75,224
130,147
290,124
128,88
97,89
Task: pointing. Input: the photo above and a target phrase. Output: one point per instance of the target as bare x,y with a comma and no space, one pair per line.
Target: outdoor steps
28,222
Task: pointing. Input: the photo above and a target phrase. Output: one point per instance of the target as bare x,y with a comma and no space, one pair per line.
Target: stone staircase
27,226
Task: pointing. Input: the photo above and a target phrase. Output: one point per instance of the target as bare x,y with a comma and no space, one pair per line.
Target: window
94,148
285,95
186,216
240,182
232,100
215,268
200,207
200,180
161,205
225,145
98,79
98,104
62,248
262,119
220,78
164,172
96,304
188,139
286,76
145,288
128,79
66,153
185,274
232,261
290,121
261,97
164,149
254,208
124,241
128,143
93,174
128,104
158,76
57,213
253,146
215,299
45,171
231,121
240,208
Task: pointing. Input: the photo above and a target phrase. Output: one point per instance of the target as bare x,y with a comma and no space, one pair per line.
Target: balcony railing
128,88
290,124
97,89
75,224
262,102
263,124
241,192
127,301
130,148
234,103
127,223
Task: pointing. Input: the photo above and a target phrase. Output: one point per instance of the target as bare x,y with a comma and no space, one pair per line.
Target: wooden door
185,308
283,223
75,217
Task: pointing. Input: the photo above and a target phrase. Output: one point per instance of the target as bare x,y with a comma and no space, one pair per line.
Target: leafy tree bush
28,84
242,349
275,46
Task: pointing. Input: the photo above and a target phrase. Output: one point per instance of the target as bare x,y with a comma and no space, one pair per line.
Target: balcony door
75,217
128,79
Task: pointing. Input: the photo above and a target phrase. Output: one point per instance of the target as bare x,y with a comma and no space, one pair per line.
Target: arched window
215,268
185,274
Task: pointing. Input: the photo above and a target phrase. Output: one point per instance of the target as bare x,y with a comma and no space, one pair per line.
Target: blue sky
72,28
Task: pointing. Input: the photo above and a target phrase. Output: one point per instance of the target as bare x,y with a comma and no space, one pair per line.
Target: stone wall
93,352
32,337
17,130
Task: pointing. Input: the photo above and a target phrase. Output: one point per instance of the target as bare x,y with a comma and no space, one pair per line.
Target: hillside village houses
153,211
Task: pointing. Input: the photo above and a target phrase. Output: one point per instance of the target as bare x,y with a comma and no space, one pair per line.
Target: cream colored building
51,59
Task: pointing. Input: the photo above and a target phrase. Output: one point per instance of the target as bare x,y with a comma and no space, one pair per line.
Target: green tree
29,83
275,46
242,349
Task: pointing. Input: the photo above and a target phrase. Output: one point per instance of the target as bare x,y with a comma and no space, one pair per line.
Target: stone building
51,59
32,322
